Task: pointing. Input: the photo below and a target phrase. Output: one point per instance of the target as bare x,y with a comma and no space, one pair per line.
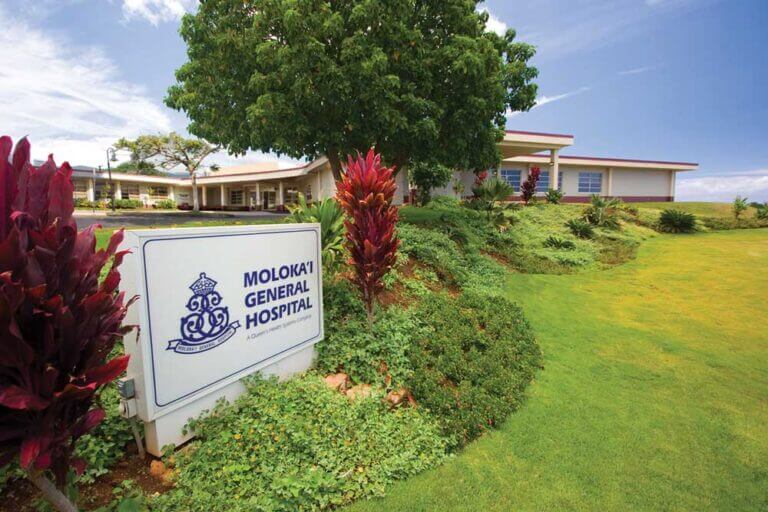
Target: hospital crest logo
207,325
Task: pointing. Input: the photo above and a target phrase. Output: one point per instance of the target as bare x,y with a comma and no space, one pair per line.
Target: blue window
591,182
511,176
543,184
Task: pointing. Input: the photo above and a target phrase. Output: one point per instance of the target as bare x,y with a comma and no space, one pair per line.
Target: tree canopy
169,151
420,80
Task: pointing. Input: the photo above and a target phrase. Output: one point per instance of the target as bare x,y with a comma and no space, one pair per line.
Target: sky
681,80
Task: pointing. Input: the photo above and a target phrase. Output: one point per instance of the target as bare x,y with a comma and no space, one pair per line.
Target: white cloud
494,24
69,100
543,100
637,71
157,11
751,184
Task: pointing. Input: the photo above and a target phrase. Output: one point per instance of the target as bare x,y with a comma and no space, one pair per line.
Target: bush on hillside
472,362
581,228
377,356
603,211
739,206
490,196
456,264
761,210
299,445
553,196
556,242
677,221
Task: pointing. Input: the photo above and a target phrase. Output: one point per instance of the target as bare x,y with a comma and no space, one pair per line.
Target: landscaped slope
653,397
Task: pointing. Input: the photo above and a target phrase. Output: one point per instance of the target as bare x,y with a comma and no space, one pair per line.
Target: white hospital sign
216,305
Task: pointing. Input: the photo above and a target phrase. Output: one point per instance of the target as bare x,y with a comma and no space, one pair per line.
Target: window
158,192
511,176
129,191
81,188
101,191
236,197
543,184
590,182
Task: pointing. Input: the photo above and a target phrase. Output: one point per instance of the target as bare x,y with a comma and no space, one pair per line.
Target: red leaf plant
528,188
58,321
365,193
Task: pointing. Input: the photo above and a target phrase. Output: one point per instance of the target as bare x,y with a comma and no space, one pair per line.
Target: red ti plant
365,193
58,321
528,188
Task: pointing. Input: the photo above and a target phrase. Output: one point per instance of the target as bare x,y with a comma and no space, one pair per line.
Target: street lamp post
111,157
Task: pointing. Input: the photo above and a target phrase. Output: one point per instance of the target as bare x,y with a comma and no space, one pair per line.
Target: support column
609,187
204,201
280,198
317,196
91,191
223,197
672,182
554,178
118,192
258,196
171,193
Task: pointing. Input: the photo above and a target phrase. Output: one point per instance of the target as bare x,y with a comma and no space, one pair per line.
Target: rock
338,381
359,391
396,397
399,397
157,469
168,476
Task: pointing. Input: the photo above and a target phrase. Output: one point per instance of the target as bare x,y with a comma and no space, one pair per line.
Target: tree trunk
335,161
195,200
54,496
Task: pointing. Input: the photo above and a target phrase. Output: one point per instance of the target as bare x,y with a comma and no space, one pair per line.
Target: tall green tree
421,80
169,151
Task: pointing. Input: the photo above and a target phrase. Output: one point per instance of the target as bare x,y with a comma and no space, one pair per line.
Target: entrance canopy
517,143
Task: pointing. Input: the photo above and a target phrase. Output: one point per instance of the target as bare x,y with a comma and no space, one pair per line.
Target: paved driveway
157,218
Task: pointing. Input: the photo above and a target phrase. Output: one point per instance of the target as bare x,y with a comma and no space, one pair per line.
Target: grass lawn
654,395
102,235
701,209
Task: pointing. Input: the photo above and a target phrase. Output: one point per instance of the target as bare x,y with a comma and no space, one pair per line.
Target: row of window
589,182
127,191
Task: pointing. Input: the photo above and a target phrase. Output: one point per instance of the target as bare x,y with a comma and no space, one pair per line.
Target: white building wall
569,178
645,183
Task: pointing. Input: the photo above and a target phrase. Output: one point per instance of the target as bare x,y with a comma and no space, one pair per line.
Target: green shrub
299,445
472,362
129,204
331,219
553,196
761,210
556,242
581,228
105,445
165,204
367,356
456,264
603,211
740,205
677,221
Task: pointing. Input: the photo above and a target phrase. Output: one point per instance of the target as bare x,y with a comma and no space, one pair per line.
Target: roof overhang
251,177
518,143
593,161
